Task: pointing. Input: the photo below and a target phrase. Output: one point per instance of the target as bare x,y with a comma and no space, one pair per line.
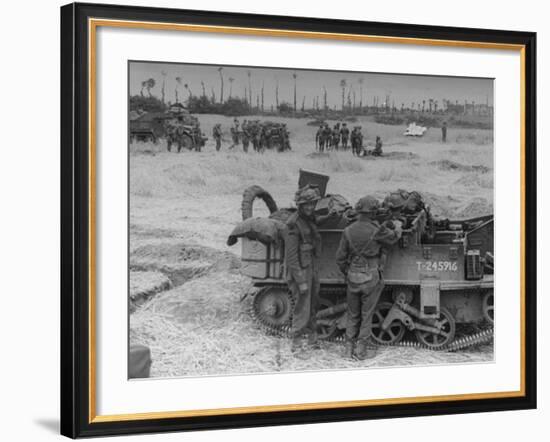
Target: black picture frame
75,220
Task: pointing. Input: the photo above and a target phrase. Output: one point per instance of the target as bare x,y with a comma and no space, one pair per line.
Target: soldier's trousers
305,304
361,305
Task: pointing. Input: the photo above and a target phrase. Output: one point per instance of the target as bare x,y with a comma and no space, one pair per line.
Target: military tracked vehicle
177,125
438,279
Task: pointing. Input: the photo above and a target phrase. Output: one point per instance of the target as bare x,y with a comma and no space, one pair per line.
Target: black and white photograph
293,220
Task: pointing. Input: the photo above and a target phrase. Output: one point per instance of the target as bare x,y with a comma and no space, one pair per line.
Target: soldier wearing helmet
356,141
344,135
359,258
302,251
217,134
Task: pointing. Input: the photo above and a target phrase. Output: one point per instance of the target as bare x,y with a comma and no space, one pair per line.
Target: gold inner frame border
93,24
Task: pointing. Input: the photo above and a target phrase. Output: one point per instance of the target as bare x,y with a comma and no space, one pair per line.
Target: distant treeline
384,115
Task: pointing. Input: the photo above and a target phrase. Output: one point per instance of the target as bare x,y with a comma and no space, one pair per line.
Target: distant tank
438,280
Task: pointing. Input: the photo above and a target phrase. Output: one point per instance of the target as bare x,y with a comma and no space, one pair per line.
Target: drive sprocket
272,308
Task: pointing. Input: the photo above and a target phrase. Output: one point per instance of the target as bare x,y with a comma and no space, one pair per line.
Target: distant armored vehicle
176,125
438,280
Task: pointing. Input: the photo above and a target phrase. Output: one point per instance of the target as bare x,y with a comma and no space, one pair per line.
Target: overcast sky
401,88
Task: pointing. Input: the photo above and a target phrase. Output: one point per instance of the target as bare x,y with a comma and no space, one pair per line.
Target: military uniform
378,147
336,136
344,135
245,136
360,257
302,252
356,141
235,132
217,134
327,136
320,139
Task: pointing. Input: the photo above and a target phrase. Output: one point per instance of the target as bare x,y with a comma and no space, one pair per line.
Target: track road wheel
395,331
435,340
273,306
185,142
488,306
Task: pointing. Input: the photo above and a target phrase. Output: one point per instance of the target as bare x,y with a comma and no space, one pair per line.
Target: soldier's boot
365,350
313,341
349,349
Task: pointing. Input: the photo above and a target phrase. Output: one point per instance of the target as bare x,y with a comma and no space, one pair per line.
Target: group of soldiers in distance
338,137
262,135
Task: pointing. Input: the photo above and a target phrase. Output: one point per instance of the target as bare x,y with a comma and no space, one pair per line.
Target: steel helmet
367,204
306,195
396,200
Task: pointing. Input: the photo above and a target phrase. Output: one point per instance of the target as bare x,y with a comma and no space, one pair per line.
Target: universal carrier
438,279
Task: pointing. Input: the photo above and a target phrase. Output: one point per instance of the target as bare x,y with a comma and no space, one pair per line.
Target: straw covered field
185,287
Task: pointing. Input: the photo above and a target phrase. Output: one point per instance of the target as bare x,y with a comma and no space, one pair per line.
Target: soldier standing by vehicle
171,136
344,135
302,252
358,257
217,134
356,141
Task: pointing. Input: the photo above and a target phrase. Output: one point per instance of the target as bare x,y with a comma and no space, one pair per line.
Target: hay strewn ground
184,205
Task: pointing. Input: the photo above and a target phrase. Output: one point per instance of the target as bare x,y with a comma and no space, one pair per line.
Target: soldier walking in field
217,135
302,252
344,135
359,257
444,132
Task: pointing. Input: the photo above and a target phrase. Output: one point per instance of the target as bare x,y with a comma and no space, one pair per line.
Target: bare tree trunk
221,87
262,96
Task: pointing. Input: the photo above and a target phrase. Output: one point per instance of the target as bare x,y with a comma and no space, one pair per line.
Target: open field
183,206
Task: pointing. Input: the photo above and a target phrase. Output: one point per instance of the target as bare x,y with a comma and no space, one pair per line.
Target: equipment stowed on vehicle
437,278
